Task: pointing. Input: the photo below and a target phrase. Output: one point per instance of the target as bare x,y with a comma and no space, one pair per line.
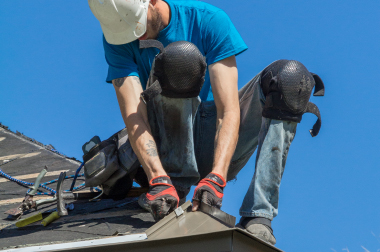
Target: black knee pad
287,85
180,70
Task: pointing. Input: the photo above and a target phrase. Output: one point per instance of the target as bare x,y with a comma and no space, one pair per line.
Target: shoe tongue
162,180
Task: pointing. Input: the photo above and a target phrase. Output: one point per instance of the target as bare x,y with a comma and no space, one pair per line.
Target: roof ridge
48,147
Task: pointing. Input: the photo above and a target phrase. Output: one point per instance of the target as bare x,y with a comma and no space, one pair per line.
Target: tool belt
110,164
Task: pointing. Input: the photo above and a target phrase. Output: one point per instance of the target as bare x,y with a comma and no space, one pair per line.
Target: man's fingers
162,207
195,205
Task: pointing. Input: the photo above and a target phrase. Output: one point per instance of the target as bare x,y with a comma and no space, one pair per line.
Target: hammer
62,211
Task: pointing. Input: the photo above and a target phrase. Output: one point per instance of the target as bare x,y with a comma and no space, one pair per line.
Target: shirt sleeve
222,40
120,61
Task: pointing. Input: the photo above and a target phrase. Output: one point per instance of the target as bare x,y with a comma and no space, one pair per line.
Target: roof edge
48,147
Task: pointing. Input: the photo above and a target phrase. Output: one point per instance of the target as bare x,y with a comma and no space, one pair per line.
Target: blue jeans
184,131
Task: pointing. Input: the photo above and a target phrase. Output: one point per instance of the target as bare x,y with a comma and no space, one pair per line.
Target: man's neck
164,10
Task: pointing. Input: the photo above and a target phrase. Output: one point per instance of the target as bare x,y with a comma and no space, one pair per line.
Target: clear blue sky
52,78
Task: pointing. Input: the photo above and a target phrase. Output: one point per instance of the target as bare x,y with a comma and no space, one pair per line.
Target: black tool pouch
110,164
100,163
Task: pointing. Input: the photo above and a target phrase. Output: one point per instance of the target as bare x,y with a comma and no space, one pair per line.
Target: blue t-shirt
206,26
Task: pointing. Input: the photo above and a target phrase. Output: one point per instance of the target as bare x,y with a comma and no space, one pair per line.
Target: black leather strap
312,108
151,43
151,92
319,88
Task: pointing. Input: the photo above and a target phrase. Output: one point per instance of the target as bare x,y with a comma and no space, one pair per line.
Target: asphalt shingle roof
81,230
24,158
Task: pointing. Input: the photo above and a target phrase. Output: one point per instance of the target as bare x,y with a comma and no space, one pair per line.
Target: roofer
191,124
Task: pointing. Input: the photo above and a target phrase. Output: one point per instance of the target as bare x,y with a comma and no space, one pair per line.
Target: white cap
122,21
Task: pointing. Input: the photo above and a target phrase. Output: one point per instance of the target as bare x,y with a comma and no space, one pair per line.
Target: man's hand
209,191
162,198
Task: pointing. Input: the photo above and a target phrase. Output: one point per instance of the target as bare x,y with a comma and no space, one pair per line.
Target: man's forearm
223,76
227,133
144,147
134,114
